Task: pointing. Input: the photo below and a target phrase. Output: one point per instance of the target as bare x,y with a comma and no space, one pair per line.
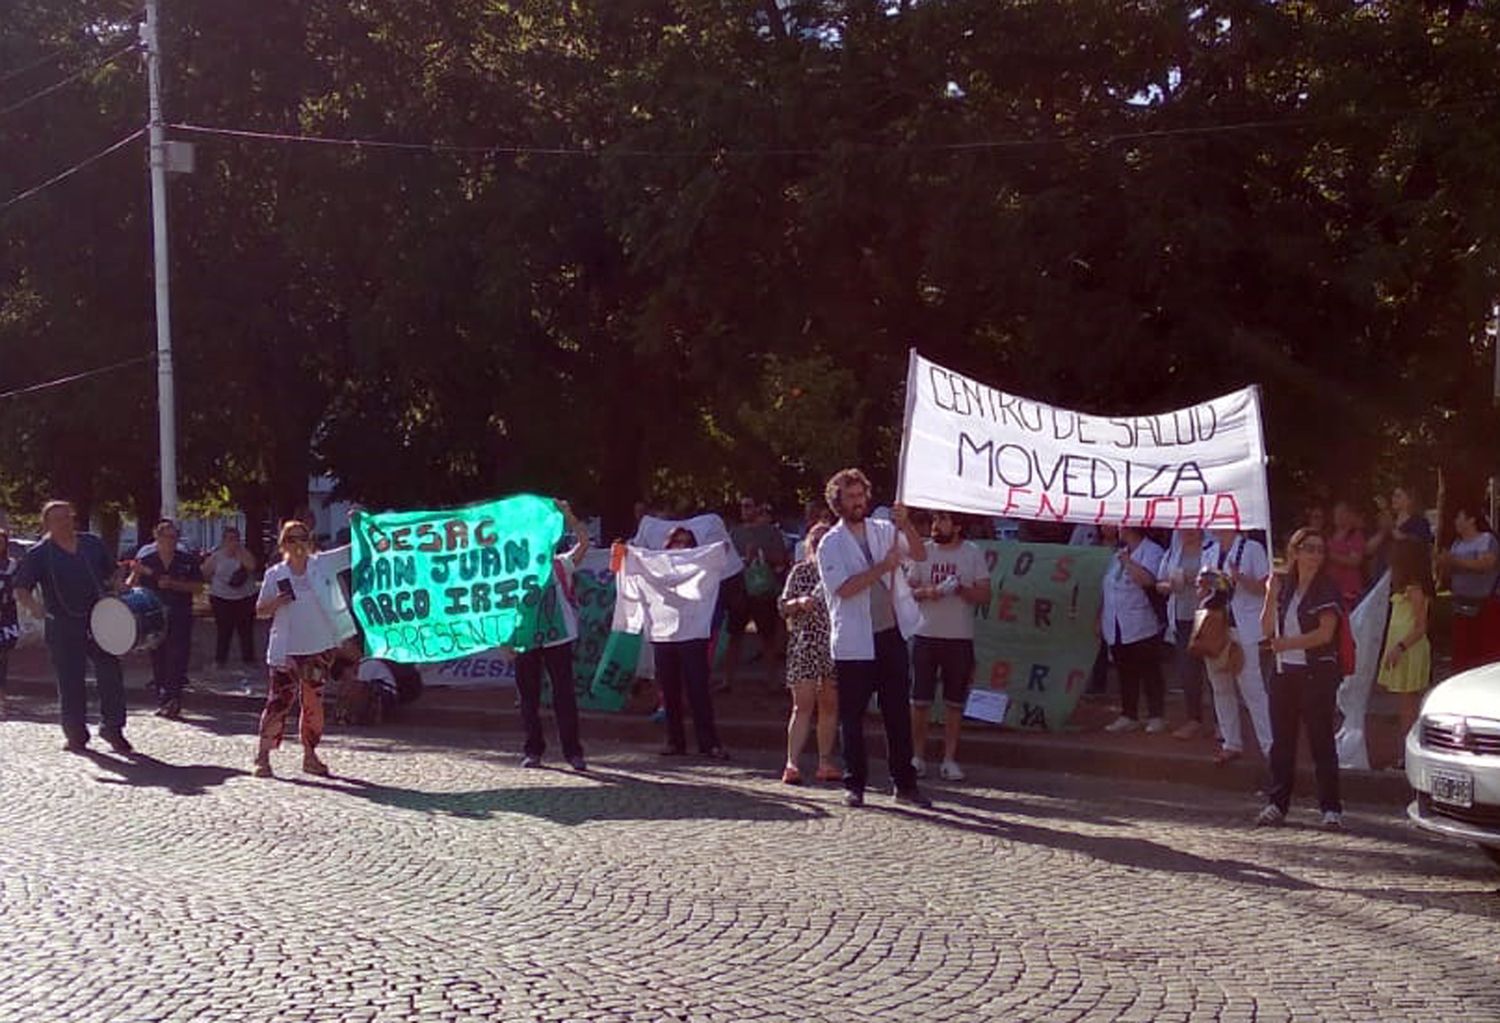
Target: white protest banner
968,447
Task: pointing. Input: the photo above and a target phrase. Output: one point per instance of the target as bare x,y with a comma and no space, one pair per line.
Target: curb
1052,753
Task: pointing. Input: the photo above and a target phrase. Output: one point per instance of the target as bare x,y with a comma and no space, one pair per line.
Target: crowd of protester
851,603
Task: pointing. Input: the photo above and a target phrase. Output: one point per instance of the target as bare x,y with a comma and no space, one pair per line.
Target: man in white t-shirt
871,611
552,648
947,587
1246,565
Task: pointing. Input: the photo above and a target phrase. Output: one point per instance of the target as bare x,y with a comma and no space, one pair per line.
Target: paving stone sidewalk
434,880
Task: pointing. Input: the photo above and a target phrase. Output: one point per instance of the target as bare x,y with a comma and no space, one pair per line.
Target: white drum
135,620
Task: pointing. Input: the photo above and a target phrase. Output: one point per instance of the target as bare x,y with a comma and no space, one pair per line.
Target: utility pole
166,401
1494,475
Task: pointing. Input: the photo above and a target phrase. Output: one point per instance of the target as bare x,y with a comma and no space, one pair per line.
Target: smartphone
285,586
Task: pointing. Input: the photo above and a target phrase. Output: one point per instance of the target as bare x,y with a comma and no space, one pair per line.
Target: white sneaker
1332,820
1269,817
919,766
950,771
1122,724
1155,726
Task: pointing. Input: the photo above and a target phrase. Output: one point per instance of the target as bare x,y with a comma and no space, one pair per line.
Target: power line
5,76
39,62
979,145
89,161
75,76
75,377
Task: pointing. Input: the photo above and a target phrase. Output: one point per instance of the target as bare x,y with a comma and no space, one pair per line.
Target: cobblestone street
433,879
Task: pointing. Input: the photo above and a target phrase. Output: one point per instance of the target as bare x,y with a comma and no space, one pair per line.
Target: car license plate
1452,788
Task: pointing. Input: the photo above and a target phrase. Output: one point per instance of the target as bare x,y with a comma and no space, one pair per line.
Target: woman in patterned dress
809,664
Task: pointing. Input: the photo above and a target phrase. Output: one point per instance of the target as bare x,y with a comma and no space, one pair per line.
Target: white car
1453,760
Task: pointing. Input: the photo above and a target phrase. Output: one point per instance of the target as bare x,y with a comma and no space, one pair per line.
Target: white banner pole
911,404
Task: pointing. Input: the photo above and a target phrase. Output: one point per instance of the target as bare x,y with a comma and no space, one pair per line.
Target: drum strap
52,553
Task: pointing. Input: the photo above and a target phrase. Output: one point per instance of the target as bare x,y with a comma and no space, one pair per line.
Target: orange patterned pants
304,676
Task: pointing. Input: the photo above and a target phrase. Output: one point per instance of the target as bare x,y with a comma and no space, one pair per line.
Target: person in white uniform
1247,567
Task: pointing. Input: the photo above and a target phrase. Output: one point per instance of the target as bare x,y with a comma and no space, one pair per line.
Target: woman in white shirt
310,619
1131,626
229,569
1301,618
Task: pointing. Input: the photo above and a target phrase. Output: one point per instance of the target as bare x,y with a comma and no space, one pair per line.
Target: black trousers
1139,665
169,659
558,660
231,618
888,677
69,643
679,666
1304,698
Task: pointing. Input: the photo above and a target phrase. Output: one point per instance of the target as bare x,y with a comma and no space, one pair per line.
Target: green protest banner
609,686
1035,639
594,589
436,585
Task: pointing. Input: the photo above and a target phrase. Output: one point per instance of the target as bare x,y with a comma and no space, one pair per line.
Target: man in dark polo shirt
173,575
74,570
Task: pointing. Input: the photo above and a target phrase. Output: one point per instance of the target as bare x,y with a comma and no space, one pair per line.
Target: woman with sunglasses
309,620
1301,616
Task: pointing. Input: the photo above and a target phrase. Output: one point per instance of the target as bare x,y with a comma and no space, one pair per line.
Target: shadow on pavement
139,770
1120,850
608,797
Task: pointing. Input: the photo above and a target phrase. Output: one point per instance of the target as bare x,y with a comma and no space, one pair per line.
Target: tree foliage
682,246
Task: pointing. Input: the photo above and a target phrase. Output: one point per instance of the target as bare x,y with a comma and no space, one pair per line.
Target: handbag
1231,661
1210,633
760,578
1211,640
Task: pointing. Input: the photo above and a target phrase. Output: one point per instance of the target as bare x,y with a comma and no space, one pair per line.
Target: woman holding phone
229,569
309,620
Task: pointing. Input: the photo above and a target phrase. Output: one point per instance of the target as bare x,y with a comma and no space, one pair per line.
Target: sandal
312,765
1227,756
790,775
827,772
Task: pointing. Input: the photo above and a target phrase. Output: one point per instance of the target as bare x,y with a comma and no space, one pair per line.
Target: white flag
669,595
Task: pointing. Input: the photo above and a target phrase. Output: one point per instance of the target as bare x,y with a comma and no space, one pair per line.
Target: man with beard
947,587
860,561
